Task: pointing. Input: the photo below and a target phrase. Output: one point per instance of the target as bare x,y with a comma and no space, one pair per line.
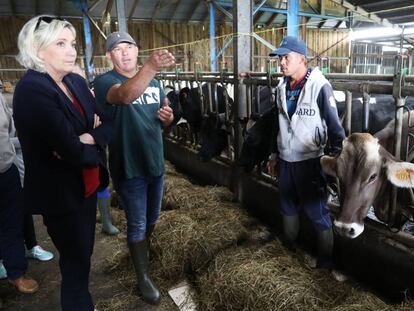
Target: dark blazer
47,122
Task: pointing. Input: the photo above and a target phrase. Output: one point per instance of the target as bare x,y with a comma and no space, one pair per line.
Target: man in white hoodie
308,123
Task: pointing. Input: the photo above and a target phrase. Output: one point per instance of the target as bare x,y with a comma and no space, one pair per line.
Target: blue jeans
141,199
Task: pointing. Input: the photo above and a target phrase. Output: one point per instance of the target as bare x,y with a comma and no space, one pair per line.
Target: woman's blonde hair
36,34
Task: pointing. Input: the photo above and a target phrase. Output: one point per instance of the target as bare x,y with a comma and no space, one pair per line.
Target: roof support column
88,47
242,47
212,35
293,18
120,11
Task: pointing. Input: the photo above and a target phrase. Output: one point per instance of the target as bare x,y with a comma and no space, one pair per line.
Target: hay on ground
185,241
268,278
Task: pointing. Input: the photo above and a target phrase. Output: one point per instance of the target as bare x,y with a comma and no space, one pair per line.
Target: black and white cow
257,139
209,126
366,170
381,111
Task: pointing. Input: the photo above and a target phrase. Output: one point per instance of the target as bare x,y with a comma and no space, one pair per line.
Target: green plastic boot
139,253
290,231
325,249
107,226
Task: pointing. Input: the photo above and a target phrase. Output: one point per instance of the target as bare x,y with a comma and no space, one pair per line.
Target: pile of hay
185,241
268,278
179,193
205,237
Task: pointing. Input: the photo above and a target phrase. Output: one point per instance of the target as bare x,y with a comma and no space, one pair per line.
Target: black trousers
11,224
29,232
74,235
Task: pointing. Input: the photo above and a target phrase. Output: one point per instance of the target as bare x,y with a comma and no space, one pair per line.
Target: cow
366,171
381,111
208,125
256,139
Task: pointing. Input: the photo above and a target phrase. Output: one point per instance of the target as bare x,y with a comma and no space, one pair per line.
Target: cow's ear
329,165
400,174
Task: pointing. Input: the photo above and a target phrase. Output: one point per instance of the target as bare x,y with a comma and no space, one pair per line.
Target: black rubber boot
104,210
325,249
139,254
290,231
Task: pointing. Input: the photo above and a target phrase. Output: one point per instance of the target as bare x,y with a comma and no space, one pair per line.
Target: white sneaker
3,272
39,253
339,276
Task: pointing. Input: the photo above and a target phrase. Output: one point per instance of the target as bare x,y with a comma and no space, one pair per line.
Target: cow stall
383,255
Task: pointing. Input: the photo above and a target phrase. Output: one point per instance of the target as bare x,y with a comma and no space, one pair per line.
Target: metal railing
399,85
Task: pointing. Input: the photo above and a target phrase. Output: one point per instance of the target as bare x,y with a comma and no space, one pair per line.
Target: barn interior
365,48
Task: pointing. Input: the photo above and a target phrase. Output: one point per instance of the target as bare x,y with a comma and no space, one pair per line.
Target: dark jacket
48,123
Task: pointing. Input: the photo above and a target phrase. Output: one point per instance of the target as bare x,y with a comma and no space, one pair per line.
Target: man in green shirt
139,110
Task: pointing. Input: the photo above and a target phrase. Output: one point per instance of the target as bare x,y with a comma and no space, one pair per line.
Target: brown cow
365,172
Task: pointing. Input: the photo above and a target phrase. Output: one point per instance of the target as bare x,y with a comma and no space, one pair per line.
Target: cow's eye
372,178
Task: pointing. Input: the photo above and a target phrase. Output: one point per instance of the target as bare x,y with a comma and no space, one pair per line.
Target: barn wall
188,41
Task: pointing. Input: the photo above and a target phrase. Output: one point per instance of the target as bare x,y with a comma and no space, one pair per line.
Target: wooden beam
131,13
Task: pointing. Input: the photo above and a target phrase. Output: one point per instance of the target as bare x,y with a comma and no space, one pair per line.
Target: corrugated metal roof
395,11
165,10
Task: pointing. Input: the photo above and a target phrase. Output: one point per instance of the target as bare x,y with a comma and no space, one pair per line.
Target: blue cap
290,44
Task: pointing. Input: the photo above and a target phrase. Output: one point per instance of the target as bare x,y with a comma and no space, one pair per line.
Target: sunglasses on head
47,19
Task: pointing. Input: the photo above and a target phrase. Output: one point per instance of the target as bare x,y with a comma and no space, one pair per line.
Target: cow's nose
351,232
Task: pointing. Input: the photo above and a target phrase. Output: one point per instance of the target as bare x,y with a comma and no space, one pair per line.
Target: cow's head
213,136
363,170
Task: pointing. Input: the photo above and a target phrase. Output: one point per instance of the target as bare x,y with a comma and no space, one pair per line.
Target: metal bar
212,35
263,41
285,11
96,25
365,112
348,113
258,7
120,11
293,18
93,5
221,9
226,44
242,23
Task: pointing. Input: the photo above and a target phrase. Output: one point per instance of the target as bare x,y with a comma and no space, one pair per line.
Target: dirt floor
102,285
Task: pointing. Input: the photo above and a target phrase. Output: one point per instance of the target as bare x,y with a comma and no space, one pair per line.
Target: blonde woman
63,139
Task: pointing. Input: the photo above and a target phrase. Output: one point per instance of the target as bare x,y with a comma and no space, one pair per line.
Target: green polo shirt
136,149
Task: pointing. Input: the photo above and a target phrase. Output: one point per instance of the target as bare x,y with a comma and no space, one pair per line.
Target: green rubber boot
104,210
325,249
139,253
290,231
